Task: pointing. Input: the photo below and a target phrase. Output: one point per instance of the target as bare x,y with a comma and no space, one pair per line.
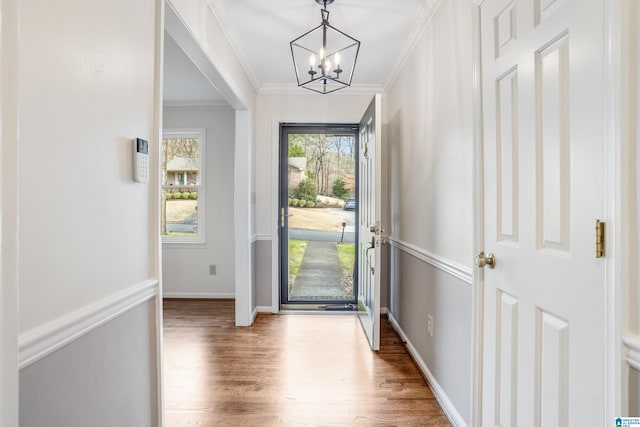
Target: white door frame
614,260
614,256
9,34
477,289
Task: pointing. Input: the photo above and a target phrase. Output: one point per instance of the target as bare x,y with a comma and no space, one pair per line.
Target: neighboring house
297,170
182,171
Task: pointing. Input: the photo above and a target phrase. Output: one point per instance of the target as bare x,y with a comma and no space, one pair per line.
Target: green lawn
347,256
297,249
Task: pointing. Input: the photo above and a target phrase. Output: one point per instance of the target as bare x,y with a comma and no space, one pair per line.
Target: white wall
86,89
429,176
88,232
271,111
185,267
429,113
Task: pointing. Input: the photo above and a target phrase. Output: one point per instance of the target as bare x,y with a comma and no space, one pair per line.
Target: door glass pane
321,210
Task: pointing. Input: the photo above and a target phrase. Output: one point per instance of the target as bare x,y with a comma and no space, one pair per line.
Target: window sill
184,245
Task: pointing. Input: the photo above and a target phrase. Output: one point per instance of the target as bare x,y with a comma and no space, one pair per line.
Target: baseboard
43,340
264,309
199,295
384,310
447,406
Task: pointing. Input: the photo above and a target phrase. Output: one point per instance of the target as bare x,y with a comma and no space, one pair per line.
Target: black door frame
283,208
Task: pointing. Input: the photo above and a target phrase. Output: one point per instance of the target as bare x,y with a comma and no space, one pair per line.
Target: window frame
200,134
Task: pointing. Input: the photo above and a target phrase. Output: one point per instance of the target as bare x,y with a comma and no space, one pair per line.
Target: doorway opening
318,216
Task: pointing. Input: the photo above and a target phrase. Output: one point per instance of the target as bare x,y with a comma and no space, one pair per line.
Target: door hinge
599,239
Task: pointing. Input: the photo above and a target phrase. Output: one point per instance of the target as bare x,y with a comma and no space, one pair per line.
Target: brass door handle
481,260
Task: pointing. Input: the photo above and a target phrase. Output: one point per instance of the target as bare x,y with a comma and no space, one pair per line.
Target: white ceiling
260,32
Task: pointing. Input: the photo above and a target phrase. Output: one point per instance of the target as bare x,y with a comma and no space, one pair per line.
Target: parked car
350,204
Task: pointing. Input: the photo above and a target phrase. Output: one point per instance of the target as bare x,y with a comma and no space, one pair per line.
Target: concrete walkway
320,274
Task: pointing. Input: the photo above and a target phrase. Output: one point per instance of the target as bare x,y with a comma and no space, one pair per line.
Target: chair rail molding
632,353
43,340
453,268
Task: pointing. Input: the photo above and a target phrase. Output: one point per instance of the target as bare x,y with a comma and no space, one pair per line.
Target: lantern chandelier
324,58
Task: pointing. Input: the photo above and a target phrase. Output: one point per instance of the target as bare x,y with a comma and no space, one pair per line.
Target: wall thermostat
141,160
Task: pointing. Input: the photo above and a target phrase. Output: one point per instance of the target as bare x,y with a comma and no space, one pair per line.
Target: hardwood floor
297,370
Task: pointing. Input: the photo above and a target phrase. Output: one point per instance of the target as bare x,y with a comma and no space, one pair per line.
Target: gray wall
105,378
429,179
263,265
419,290
185,267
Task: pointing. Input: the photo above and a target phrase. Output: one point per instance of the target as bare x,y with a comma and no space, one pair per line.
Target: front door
543,338
318,189
369,214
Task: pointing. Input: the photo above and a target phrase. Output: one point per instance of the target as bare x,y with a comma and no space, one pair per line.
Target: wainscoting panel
424,285
106,377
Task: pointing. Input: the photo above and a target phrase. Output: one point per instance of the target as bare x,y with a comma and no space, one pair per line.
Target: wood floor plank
292,370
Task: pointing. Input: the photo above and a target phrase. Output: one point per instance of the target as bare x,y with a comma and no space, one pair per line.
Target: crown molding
293,89
426,13
226,22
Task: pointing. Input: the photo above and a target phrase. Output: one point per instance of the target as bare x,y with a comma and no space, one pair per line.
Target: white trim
43,340
9,195
261,237
459,271
614,171
274,219
632,346
445,403
227,25
242,208
423,18
155,186
293,89
199,295
477,286
263,309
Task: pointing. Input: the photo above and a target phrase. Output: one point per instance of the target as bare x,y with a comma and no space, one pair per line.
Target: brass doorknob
482,261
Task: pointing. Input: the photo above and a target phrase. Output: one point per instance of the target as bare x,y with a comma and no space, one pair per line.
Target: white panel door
369,213
542,88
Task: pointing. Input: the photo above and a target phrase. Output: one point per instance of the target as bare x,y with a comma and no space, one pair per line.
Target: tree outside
329,158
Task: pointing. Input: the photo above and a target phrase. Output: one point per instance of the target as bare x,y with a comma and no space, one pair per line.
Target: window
182,186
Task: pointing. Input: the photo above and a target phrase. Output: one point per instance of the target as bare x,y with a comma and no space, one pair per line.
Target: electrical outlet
430,326
212,269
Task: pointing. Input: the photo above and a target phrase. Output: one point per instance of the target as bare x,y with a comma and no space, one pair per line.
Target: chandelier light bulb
312,60
337,59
